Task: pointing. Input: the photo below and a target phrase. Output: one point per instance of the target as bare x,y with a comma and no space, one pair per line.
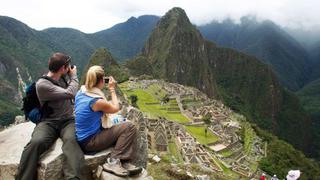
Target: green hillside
19,49
310,97
102,57
266,41
125,40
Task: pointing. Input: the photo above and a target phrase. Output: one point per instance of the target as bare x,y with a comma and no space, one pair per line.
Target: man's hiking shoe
133,170
114,166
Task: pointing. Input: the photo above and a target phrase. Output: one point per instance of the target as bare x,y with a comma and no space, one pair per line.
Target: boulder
102,175
14,138
19,119
12,141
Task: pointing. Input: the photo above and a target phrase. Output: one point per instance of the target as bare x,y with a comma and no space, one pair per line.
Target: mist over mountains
268,42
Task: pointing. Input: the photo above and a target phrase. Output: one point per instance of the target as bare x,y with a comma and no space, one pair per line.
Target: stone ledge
102,175
14,138
12,142
142,176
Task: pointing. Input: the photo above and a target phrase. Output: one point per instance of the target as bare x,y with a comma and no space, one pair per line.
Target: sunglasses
68,60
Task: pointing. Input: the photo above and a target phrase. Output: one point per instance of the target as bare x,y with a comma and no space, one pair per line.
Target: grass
157,170
165,171
155,110
228,172
248,138
155,90
226,153
199,133
189,101
174,151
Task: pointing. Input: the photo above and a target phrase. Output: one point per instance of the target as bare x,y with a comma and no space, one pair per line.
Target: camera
106,80
71,67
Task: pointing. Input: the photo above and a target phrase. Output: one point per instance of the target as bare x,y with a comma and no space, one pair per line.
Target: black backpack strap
51,80
45,108
55,82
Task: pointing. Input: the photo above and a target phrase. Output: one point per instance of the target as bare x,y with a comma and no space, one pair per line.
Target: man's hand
73,71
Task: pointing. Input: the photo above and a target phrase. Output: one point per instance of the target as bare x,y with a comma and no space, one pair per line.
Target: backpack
31,104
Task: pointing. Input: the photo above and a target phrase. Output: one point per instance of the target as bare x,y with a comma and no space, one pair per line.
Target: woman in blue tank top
91,109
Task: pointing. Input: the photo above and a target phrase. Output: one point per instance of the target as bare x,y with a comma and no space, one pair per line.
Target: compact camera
106,80
71,67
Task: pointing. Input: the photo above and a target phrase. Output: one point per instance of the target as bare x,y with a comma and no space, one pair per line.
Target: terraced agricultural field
149,102
199,133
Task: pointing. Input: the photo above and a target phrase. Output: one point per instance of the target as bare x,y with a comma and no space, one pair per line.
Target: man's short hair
57,60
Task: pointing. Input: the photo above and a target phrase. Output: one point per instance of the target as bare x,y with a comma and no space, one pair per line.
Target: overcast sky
95,15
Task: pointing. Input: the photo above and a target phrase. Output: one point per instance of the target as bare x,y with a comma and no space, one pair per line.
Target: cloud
95,15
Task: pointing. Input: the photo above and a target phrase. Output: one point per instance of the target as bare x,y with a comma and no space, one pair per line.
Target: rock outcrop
102,175
14,138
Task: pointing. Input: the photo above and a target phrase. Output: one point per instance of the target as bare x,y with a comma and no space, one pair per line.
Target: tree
165,99
134,98
207,121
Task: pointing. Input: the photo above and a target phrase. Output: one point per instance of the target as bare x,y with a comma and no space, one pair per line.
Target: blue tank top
88,122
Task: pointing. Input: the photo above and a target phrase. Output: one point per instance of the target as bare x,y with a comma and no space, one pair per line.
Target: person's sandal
114,166
133,170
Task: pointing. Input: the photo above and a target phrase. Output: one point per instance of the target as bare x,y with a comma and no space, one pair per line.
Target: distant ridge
268,42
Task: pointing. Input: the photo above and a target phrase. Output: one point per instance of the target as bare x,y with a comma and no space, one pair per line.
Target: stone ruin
160,131
159,134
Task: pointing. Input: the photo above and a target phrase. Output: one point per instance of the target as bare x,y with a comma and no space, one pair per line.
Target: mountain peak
176,16
176,11
149,17
14,26
132,19
174,47
102,57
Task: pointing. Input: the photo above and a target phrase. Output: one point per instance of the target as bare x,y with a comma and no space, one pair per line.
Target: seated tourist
93,129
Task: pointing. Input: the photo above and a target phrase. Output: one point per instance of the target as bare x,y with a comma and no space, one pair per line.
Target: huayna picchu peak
175,51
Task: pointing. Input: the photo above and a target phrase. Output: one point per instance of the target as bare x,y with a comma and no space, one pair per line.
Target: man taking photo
55,93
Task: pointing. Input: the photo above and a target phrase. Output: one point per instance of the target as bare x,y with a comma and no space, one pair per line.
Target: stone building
160,134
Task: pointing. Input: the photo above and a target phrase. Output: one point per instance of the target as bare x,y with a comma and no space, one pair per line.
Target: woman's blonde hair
94,75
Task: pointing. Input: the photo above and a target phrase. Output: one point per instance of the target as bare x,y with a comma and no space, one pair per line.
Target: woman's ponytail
94,75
